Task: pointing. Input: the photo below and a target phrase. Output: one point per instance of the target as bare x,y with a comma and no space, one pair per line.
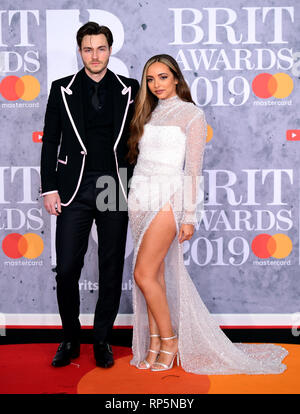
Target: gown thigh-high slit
149,262
171,149
156,236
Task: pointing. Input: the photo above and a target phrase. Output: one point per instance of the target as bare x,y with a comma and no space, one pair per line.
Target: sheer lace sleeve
193,179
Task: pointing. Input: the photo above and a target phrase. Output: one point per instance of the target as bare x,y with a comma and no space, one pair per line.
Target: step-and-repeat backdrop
242,63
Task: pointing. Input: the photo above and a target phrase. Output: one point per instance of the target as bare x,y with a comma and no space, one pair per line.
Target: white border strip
226,319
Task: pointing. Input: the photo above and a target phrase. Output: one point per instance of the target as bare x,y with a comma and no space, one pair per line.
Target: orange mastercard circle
284,246
285,85
29,88
210,133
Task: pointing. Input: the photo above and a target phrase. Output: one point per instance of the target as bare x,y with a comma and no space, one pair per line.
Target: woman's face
161,81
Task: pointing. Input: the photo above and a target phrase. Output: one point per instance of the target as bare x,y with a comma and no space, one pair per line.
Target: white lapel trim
68,91
78,183
126,90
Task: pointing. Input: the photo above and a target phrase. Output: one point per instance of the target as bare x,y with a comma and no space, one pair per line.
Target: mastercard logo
279,85
26,88
29,245
278,246
210,133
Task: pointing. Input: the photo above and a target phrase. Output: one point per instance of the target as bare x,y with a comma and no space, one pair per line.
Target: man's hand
52,204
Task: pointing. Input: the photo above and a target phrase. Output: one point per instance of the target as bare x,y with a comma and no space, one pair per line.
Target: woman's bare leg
153,328
152,324
147,274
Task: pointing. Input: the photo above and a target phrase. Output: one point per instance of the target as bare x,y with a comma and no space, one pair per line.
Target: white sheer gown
170,150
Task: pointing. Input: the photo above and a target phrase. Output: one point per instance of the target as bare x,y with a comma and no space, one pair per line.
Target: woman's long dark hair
146,102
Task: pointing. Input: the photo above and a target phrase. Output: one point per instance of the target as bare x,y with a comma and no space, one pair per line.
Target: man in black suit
85,137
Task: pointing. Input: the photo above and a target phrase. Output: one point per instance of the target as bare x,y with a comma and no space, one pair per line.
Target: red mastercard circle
8,88
264,85
263,246
10,245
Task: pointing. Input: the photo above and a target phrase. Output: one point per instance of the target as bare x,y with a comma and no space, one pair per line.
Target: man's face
95,53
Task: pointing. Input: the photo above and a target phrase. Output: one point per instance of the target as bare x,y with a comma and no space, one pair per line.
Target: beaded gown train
170,150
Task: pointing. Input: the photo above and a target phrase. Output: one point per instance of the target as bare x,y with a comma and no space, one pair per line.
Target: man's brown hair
92,28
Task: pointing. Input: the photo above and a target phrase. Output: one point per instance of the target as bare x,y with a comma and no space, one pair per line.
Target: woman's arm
193,179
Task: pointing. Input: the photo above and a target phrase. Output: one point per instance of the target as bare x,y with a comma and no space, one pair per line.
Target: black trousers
72,234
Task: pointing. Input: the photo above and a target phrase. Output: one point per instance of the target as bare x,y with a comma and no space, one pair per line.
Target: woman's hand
186,232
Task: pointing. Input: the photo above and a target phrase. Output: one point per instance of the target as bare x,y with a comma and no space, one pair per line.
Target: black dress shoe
66,351
103,355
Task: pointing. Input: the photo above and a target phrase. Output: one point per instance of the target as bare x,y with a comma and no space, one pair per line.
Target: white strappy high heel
165,367
147,364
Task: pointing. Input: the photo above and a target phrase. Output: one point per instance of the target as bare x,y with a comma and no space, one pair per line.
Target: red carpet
26,369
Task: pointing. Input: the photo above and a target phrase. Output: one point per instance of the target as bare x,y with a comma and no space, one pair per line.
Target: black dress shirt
98,125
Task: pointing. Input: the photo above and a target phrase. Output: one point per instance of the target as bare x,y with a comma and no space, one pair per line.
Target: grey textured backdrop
249,133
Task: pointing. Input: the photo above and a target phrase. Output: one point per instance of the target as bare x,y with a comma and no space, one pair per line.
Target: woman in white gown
170,319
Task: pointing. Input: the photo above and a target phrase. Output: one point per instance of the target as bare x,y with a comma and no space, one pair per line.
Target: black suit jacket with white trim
63,150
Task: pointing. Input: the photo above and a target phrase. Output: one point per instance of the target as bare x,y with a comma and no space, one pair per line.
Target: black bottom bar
123,337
